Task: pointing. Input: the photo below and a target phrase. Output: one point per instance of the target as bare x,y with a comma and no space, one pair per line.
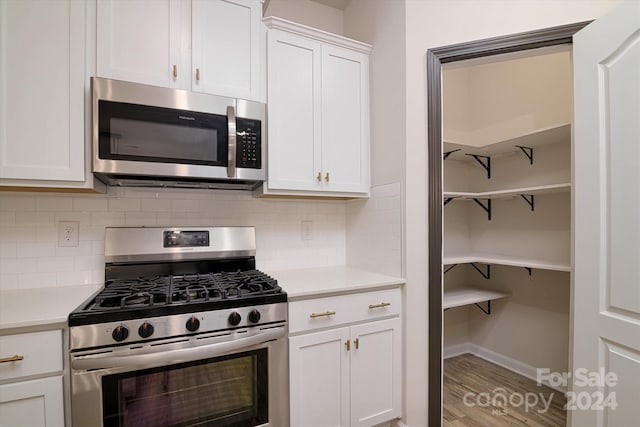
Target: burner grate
184,289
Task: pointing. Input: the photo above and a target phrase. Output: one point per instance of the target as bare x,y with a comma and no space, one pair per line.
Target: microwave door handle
231,125
180,355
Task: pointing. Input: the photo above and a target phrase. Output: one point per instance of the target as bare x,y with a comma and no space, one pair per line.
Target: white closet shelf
511,261
544,136
468,295
529,191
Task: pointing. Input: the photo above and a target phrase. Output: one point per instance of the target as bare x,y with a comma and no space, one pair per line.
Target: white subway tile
97,247
8,250
140,218
57,203
185,205
89,203
55,264
35,249
34,218
17,265
90,262
97,276
17,203
141,193
155,205
18,234
45,233
81,217
72,278
83,248
91,232
36,280
123,205
8,281
107,218
7,218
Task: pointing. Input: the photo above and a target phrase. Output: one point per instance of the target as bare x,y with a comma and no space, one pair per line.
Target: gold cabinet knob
326,177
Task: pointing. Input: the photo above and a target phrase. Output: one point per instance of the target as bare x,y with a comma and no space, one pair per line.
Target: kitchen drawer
41,353
343,309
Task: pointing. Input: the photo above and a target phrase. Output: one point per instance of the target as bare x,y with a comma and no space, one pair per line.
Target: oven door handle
102,361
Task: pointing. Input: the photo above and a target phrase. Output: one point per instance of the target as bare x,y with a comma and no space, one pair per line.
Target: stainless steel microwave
152,136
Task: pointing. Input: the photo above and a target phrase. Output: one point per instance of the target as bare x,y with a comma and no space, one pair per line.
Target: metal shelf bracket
528,270
448,153
530,200
528,151
451,267
486,164
486,275
487,311
447,200
487,207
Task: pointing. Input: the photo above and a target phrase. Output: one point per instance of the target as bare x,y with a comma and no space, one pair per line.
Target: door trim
435,58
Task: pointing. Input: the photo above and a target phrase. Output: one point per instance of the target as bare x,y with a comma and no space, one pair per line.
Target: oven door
237,379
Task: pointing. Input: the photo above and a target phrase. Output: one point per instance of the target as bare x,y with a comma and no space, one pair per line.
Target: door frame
436,57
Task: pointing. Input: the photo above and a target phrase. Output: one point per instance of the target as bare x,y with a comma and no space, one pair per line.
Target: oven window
153,134
224,391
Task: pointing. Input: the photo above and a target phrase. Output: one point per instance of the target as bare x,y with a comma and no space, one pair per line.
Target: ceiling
338,4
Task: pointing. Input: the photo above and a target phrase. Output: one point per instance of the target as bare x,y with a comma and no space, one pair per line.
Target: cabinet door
375,372
345,120
293,74
32,403
42,79
139,41
227,37
319,379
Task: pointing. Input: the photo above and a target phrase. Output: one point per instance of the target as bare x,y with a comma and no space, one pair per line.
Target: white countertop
22,308
328,281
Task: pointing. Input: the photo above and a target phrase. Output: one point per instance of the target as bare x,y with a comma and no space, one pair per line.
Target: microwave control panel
248,143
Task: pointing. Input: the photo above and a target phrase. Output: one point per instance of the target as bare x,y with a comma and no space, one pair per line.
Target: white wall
30,256
488,103
431,24
309,13
381,23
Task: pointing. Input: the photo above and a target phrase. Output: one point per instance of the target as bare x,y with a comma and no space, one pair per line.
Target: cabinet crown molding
276,23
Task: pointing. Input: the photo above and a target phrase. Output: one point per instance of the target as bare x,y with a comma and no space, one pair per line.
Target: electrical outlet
68,233
307,230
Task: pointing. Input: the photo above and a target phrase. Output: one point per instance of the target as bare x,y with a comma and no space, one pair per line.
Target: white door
293,72
42,77
375,372
606,310
140,41
319,379
226,56
345,120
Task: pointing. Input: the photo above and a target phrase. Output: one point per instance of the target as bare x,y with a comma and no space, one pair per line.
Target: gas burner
184,289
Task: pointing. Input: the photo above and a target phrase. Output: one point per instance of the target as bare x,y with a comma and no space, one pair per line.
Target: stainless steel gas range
185,332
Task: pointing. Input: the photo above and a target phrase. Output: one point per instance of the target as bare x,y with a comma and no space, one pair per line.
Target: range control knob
145,330
120,333
235,318
254,316
193,324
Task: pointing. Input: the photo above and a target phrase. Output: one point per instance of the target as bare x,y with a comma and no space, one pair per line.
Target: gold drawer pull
382,304
326,313
15,358
357,343
347,344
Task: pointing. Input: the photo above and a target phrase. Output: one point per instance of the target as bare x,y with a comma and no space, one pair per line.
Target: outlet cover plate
68,233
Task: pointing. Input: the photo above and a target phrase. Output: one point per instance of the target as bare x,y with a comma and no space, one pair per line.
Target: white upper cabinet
318,118
227,38
211,46
42,77
139,41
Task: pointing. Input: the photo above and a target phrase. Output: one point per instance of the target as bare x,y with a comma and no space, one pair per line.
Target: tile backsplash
31,257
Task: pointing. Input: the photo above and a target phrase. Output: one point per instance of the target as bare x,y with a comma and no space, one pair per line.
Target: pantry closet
507,209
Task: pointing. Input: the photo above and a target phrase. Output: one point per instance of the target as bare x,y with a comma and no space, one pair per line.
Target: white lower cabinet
349,375
32,403
25,401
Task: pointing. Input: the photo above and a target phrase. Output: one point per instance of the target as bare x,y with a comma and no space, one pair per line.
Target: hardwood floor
472,390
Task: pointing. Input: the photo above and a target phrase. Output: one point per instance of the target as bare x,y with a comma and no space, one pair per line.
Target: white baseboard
499,359
399,423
